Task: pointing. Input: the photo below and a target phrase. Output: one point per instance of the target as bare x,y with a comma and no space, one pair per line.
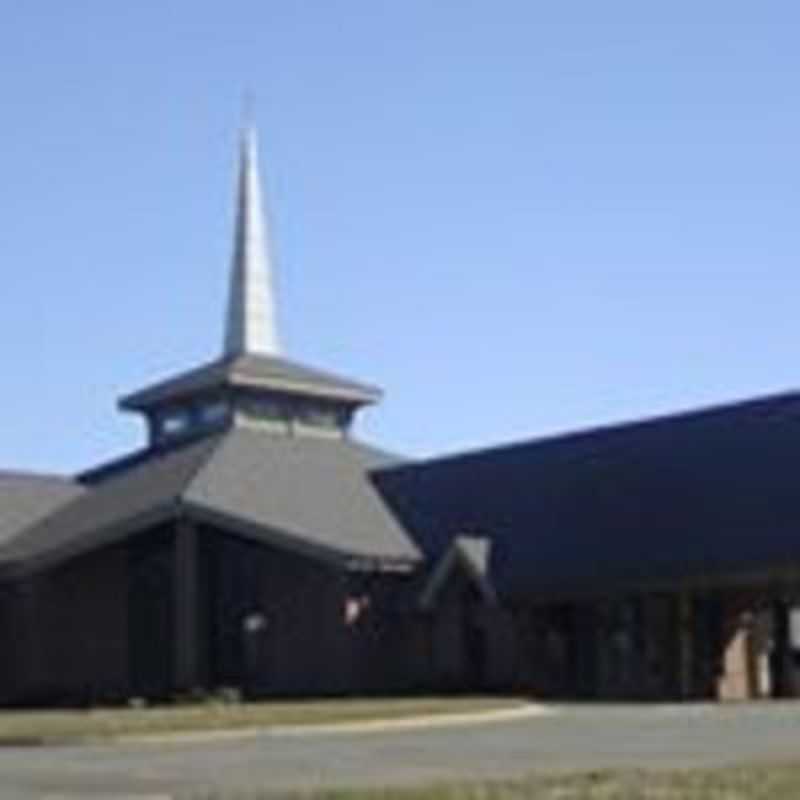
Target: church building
255,543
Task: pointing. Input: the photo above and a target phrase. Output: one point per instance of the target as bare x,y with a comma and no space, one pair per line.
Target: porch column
782,666
736,681
186,663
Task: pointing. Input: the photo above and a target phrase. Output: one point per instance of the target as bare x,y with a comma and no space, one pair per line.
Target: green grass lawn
740,783
31,727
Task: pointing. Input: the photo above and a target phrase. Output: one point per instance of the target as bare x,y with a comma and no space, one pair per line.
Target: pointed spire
251,327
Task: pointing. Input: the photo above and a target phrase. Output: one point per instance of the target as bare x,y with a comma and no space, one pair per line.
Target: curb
527,711
414,723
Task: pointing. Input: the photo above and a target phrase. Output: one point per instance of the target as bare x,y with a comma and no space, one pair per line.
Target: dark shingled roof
315,491
309,493
128,500
254,371
691,495
27,498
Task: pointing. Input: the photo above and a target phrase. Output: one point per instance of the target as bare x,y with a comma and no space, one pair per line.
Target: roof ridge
201,466
604,428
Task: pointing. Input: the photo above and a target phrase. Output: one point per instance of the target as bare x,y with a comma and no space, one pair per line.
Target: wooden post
186,601
781,655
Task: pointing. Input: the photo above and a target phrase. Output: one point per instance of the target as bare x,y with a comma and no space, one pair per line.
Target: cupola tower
252,384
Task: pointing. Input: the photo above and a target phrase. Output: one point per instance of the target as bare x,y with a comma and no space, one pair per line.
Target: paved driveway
576,737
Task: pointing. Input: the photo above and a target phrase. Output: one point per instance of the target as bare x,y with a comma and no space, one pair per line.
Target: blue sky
516,217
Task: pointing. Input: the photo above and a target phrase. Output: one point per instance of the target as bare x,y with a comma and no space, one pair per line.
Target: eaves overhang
255,373
17,566
301,544
14,567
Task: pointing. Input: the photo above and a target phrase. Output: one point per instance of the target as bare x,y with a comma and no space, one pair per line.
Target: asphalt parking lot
575,737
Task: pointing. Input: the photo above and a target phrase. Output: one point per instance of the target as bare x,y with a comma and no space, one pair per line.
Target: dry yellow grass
739,783
31,727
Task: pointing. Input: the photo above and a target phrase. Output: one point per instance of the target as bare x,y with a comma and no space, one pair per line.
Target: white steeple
251,326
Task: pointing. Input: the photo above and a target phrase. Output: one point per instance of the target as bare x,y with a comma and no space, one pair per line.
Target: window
320,417
175,423
264,410
215,413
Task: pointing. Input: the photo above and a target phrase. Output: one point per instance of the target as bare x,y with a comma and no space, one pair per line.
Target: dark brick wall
69,636
15,645
65,633
307,643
